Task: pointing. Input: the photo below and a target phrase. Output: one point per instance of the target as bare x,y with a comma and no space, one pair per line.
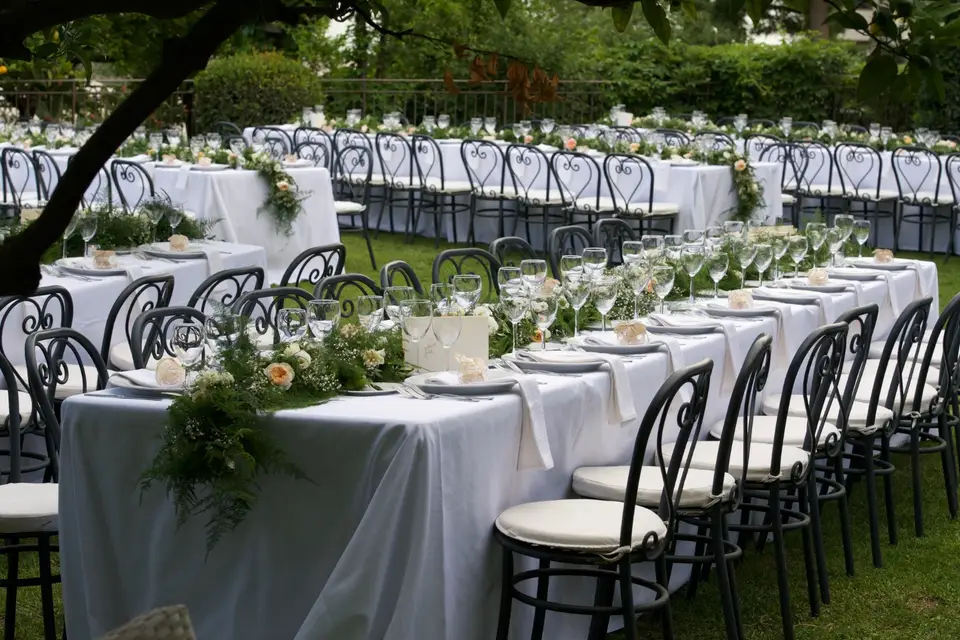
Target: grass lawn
915,595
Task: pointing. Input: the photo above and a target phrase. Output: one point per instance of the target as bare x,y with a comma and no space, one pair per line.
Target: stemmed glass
875,130
415,319
490,125
834,240
663,277
844,222
71,227
763,259
370,312
441,293
798,251
672,246
213,141
156,142
475,125
237,145
631,252
780,247
197,144
692,258
534,272
816,234
187,342
604,297
447,325
717,266
443,121
692,236
571,266
291,324
861,233
514,305
652,247
786,123
393,297
323,316
510,280
576,290
174,217
594,262
543,307
467,289
745,254
154,215
88,229
173,137
639,279
740,123
547,125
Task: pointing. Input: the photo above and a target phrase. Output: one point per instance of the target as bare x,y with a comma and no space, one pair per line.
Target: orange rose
3,69
570,144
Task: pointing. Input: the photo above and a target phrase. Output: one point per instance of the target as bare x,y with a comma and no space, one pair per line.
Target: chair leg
872,507
626,600
727,590
816,531
603,597
810,560
949,466
471,221
780,555
46,587
843,505
13,574
506,596
731,572
697,570
666,612
540,615
888,492
917,482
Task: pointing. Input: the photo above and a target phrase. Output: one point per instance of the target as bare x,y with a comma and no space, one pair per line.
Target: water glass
652,247
717,266
834,240
740,122
544,311
291,324
763,259
490,125
631,252
446,328
571,266
780,247
174,217
639,278
605,291
672,246
594,261
156,141
237,145
187,342
745,255
844,222
370,311
692,259
534,272
197,144
393,297
429,123
510,280
213,141
786,123
71,227
443,121
547,125
322,317
798,247
576,290
415,318
173,137
441,293
662,277
861,233
875,130
88,229
691,236
475,125
467,289
515,306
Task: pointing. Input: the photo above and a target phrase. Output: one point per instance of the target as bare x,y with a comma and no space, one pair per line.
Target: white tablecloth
391,541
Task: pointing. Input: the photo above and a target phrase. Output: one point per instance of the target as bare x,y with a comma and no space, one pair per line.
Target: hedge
253,89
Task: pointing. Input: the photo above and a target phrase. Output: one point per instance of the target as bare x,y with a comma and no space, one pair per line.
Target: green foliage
943,115
252,89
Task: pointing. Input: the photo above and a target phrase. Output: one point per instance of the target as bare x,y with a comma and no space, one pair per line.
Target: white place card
624,119
429,355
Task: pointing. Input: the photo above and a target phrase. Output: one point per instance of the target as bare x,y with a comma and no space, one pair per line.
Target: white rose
292,349
303,358
277,168
482,311
373,358
170,373
492,325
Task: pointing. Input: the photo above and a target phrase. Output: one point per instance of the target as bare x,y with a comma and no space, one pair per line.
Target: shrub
253,89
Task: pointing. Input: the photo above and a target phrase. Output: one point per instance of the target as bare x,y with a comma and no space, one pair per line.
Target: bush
253,89
943,116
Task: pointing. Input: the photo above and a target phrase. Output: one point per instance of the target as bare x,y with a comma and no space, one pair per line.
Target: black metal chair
315,264
860,169
626,135
48,173
353,167
343,138
262,309
603,539
402,183
792,167
222,289
227,129
799,125
316,152
610,234
854,128
48,307
924,194
21,181
631,182
151,337
346,288
755,144
511,251
570,240
721,141
468,260
816,180
952,169
18,418
674,137
398,273
132,183
314,136
439,194
579,177
761,122
141,295
539,197
487,171
274,141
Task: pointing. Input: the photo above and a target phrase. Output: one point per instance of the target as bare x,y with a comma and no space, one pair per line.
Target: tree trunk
20,257
817,14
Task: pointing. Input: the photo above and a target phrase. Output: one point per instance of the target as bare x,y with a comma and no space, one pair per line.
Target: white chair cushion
871,366
858,412
865,389
610,483
347,207
765,430
876,352
823,190
538,197
403,182
121,358
787,198
924,197
658,209
493,191
74,384
594,204
448,186
761,455
27,507
582,525
24,403
866,193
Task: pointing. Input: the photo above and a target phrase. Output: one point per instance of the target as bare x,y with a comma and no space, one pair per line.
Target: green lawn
916,594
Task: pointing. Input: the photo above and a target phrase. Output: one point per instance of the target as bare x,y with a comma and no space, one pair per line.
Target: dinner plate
681,329
721,312
209,167
822,288
376,389
857,275
84,267
787,299
896,265
615,349
302,162
433,382
163,250
585,365
176,164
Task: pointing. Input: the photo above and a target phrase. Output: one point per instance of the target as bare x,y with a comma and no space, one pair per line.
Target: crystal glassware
441,293
71,227
816,234
510,280
834,241
672,245
763,259
187,341
691,236
213,141
780,247
533,272
88,229
662,277
547,125
490,125
443,121
577,291
875,130
571,266
631,251
605,289
861,233
717,266
745,255
393,296
447,325
798,247
543,307
323,316
475,125
692,259
844,222
173,137
467,289
594,262
416,316
639,278
291,324
786,123
652,247
515,306
174,217
370,311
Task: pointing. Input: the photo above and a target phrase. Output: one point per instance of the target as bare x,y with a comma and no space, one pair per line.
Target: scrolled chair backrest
352,170
567,240
276,142
19,171
316,152
626,135
721,141
224,287
755,143
486,167
48,172
793,163
398,273
428,159
917,171
859,168
132,183
19,417
817,167
315,264
152,335
611,233
952,169
578,177
531,174
945,334
262,308
630,181
395,156
861,322
511,251
468,260
143,294
674,137
21,316
346,288
314,136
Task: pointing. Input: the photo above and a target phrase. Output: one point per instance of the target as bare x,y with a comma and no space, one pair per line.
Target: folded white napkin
214,260
677,360
599,339
681,320
927,281
620,407
134,271
554,356
730,359
787,295
145,378
182,176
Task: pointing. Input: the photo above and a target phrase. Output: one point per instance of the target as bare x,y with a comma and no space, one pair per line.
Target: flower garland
749,191
284,200
214,449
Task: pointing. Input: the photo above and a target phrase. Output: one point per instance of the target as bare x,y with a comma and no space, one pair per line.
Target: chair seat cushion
858,412
494,191
866,193
786,198
448,186
347,207
765,431
822,190
610,483
577,525
761,456
594,204
27,507
865,388
74,384
876,352
24,405
538,197
871,366
926,197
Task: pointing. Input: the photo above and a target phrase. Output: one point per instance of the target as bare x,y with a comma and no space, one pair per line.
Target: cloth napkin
133,271
214,260
183,174
927,281
780,344
534,450
795,297
729,362
145,378
620,407
677,360
561,357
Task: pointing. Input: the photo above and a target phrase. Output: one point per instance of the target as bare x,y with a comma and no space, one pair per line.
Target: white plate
616,349
682,330
857,275
84,266
163,250
376,389
209,167
822,288
176,164
302,162
896,265
740,313
527,364
496,382
787,299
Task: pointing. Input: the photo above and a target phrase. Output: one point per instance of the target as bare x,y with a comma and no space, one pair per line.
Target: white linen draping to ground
392,539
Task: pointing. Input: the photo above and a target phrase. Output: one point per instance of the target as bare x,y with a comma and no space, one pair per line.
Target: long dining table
391,538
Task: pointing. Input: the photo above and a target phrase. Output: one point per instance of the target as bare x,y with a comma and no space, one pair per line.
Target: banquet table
392,538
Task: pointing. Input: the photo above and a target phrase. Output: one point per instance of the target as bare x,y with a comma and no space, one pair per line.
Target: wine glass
174,217
662,277
576,290
88,229
692,236
672,245
187,342
844,222
490,125
517,131
173,137
534,272
717,266
291,324
323,316
544,310
594,262
639,278
213,141
740,123
514,305
861,233
370,312
237,145
604,297
816,234
429,123
475,125
156,142
510,280
443,121
786,123
71,227
467,289
415,318
441,293
571,266
691,256
799,245
197,143
834,240
547,125
780,247
745,254
652,247
154,215
631,252
447,325
763,259
393,296
875,130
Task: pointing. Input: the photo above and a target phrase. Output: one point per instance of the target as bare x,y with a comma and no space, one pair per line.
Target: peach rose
283,185
634,147
279,374
740,165
570,144
527,139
